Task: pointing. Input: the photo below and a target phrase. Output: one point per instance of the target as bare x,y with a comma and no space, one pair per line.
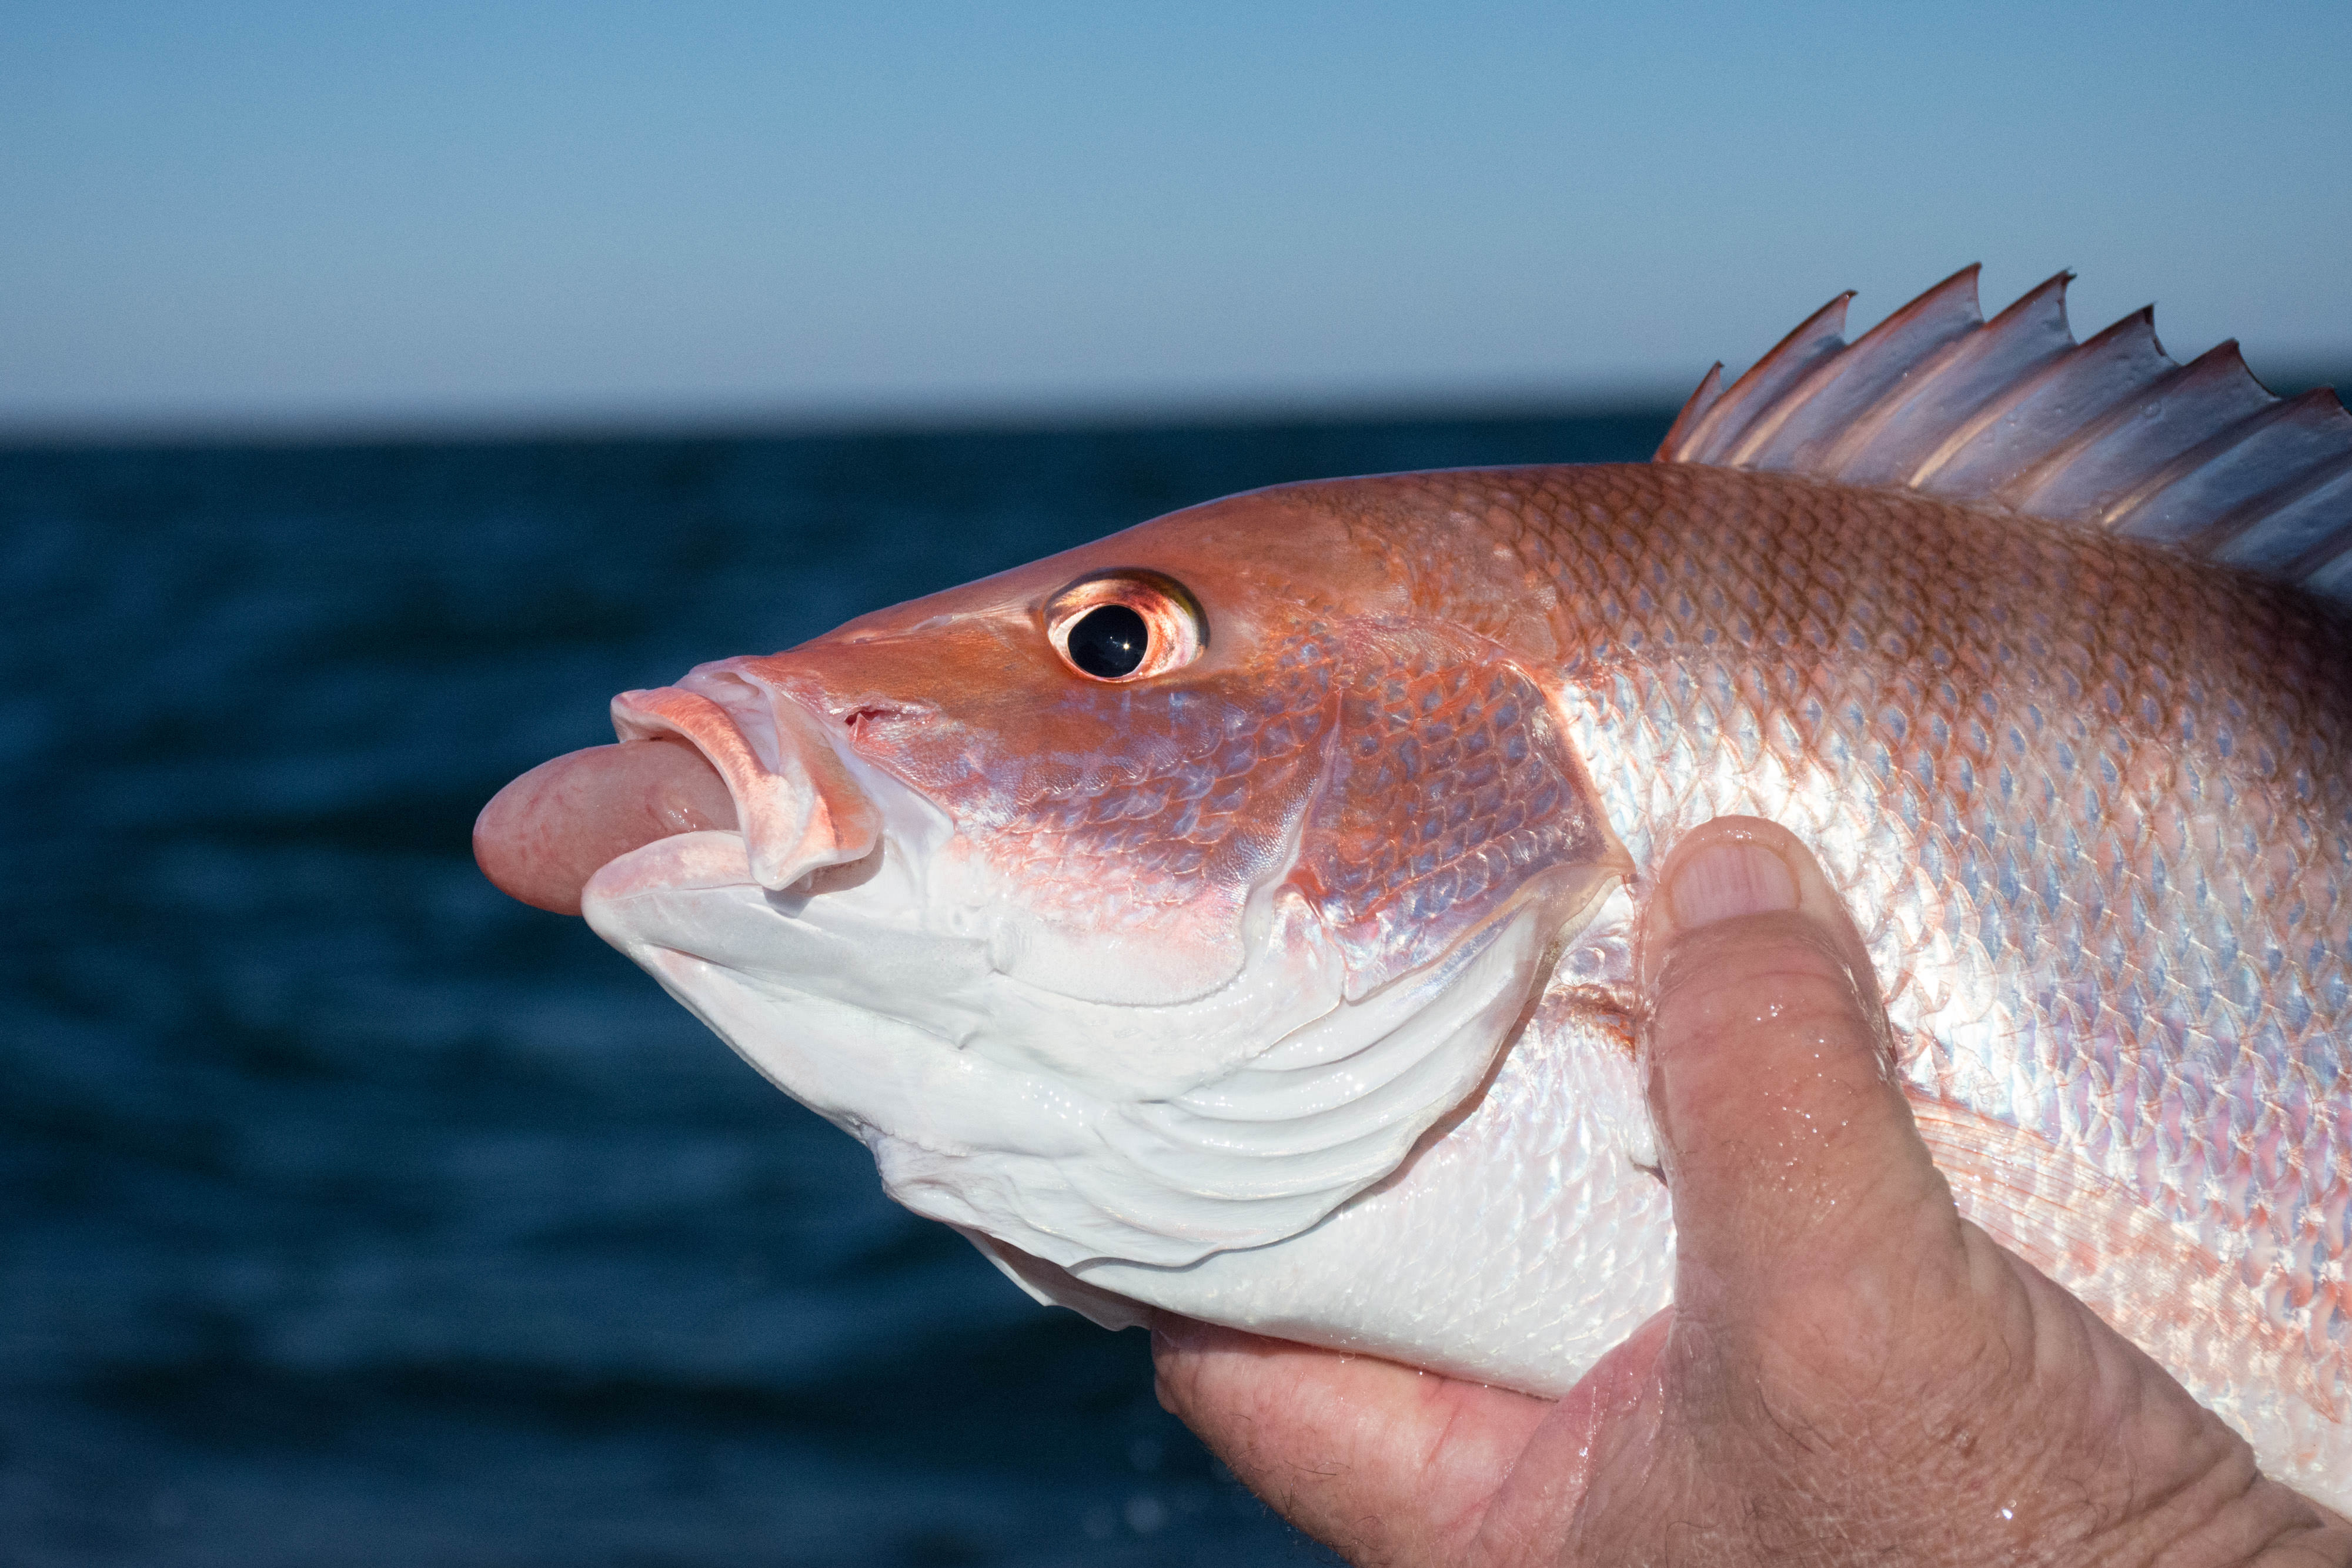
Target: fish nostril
858,719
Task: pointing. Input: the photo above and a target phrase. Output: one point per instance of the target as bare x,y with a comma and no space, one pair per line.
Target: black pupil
1109,641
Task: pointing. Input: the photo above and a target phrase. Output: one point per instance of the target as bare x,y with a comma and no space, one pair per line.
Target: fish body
1282,975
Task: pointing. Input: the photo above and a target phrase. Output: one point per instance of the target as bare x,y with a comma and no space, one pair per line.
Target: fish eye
1109,642
1126,626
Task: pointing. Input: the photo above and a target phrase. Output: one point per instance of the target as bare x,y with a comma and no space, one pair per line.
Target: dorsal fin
2015,414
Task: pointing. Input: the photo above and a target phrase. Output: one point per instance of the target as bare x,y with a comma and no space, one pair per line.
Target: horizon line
843,420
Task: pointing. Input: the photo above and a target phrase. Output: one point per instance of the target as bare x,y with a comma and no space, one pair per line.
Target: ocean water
356,1215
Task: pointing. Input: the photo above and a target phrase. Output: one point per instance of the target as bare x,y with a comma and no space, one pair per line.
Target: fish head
1140,903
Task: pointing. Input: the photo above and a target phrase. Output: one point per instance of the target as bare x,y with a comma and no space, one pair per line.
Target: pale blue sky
337,215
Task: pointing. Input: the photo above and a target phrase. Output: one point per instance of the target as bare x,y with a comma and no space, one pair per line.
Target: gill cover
1451,790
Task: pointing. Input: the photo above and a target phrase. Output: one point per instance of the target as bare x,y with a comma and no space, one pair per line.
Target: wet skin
1852,1372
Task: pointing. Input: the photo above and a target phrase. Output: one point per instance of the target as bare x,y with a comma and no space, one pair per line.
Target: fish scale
2067,1011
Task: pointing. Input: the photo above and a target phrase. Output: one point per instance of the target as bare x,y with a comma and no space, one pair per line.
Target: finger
1786,1143
1376,1461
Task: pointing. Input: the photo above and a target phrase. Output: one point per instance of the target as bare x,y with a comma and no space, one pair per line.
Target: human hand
1851,1373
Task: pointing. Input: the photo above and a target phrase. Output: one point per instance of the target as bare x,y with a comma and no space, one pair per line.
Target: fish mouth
718,752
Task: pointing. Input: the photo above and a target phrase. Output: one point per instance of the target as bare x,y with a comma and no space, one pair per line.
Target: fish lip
799,808
711,860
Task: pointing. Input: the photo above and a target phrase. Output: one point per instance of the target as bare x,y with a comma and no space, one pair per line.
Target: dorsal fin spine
1867,370
2284,525
2197,458
2014,413
2020,491
1857,437
1966,374
2213,391
2056,376
2218,397
1755,390
1702,398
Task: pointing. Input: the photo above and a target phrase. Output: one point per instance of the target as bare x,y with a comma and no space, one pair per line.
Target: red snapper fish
1231,915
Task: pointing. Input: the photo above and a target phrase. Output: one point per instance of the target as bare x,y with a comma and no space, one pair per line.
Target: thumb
1786,1144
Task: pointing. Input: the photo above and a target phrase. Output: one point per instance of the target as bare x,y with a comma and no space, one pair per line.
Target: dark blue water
357,1216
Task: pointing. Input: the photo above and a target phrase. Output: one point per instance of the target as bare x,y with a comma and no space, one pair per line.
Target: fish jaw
796,806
